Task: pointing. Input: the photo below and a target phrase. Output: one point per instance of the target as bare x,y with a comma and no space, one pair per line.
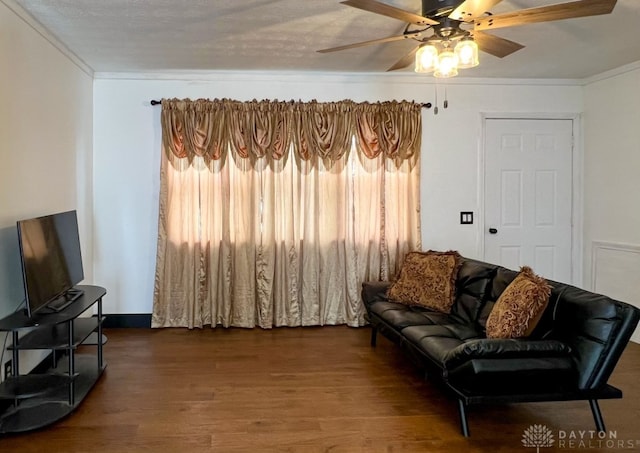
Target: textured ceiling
283,35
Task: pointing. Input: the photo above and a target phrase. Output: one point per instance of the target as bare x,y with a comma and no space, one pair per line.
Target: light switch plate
466,218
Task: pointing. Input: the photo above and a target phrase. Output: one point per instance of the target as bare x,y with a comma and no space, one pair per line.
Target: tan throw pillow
427,280
520,306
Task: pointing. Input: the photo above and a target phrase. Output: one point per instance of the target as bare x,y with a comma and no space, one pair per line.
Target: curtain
274,213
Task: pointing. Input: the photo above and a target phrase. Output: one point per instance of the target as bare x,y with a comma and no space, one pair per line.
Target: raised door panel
528,184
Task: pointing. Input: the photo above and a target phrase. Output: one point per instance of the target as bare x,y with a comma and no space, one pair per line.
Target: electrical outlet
8,369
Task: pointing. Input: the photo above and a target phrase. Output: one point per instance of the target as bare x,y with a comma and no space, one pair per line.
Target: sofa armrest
504,348
375,291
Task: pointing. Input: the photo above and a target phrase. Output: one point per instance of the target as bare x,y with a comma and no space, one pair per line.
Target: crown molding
328,77
46,34
612,73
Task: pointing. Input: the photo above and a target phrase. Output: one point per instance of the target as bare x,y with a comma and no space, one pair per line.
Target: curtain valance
257,129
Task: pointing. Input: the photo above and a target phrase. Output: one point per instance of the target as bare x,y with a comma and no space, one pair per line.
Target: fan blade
366,43
580,8
390,11
472,9
494,45
404,61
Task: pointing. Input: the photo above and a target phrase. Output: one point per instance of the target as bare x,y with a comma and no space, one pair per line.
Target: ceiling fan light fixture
447,64
467,52
446,22
426,58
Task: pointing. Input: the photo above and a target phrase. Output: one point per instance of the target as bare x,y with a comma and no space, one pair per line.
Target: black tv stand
64,300
34,401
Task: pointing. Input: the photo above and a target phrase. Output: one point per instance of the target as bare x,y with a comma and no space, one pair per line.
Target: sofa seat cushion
436,341
401,316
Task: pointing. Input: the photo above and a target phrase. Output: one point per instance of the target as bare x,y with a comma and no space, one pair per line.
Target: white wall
45,144
612,185
127,150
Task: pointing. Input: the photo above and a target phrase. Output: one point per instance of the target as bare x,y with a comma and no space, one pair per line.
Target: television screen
51,260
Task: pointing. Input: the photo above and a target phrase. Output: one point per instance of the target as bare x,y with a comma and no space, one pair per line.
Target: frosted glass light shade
467,52
426,58
447,64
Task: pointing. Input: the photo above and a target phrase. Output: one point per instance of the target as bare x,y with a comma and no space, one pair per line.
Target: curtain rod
424,106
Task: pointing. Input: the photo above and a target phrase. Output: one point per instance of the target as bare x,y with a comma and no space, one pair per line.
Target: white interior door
528,195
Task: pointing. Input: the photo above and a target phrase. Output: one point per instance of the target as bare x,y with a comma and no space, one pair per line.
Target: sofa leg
374,336
462,410
597,415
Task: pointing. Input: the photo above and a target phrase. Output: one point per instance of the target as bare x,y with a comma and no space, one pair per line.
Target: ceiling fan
446,27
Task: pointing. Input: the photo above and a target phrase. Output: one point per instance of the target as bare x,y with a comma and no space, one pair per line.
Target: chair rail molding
614,272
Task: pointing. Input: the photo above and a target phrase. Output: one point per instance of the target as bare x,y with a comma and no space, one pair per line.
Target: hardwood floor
298,390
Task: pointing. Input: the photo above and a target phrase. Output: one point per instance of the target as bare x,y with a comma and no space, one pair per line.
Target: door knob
493,230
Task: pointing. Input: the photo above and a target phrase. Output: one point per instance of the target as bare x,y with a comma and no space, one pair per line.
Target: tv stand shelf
57,336
39,400
32,385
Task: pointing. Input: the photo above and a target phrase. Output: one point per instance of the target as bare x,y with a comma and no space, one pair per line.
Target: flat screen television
51,261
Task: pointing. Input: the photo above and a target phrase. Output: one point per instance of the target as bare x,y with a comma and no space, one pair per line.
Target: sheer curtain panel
273,213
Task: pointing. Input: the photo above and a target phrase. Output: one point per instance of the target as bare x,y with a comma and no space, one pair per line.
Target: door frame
577,166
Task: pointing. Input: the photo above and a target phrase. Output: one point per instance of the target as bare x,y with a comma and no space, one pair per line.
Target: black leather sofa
569,356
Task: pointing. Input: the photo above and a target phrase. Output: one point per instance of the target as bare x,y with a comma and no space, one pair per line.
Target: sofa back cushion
596,327
473,286
502,278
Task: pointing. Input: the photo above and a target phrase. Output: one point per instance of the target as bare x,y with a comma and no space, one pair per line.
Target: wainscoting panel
615,271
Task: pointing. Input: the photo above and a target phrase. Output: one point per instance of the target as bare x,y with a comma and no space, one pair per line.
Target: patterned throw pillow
427,280
520,306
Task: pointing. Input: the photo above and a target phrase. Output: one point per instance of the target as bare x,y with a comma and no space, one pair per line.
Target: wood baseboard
138,320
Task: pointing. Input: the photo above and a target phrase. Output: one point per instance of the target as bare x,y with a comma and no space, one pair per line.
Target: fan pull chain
446,102
435,109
